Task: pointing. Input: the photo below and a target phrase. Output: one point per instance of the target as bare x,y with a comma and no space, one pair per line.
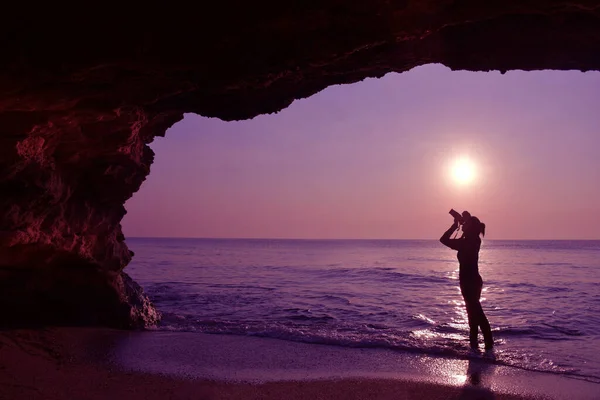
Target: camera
460,218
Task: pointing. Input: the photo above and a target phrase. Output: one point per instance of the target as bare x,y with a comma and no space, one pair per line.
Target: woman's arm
452,243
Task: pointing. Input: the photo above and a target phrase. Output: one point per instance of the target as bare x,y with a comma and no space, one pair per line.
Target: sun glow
463,171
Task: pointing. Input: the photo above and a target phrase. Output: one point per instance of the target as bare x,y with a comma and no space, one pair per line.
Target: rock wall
64,180
83,92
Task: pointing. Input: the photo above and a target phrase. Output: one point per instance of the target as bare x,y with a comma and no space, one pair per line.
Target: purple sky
370,160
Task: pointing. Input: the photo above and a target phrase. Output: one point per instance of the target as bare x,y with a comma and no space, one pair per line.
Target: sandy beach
84,363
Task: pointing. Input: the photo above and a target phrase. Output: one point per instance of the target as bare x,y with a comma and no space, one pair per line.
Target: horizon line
332,239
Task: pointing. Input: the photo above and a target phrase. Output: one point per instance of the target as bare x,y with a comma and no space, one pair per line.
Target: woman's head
473,227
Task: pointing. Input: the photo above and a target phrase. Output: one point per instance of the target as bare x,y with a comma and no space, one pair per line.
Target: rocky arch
83,92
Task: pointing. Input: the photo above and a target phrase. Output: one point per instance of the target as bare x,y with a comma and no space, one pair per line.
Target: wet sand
83,363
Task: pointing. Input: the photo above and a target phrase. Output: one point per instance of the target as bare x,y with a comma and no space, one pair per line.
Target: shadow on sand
478,380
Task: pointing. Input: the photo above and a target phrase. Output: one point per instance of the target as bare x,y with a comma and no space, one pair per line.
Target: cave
83,94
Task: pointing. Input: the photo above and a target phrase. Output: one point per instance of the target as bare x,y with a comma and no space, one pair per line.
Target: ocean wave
233,286
310,317
441,340
510,331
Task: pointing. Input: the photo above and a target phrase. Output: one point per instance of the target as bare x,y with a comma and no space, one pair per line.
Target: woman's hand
452,243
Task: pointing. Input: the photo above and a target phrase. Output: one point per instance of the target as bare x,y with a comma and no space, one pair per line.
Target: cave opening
319,224
369,161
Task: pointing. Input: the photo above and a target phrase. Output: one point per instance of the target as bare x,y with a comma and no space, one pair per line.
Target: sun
463,171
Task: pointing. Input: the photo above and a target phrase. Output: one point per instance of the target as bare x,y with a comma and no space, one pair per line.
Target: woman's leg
486,330
484,323
470,292
472,316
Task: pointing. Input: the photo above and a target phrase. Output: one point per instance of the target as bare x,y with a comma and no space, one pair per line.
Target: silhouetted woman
470,280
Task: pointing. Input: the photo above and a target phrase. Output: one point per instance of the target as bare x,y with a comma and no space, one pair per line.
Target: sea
542,297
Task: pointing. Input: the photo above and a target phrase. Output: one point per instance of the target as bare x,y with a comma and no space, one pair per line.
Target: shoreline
89,363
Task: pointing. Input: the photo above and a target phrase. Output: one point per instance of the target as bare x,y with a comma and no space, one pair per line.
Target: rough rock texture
83,91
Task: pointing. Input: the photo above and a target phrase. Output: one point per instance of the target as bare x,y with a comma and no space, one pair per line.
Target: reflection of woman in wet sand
477,383
470,280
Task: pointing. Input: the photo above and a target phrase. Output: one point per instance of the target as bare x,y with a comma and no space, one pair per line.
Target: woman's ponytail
483,229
